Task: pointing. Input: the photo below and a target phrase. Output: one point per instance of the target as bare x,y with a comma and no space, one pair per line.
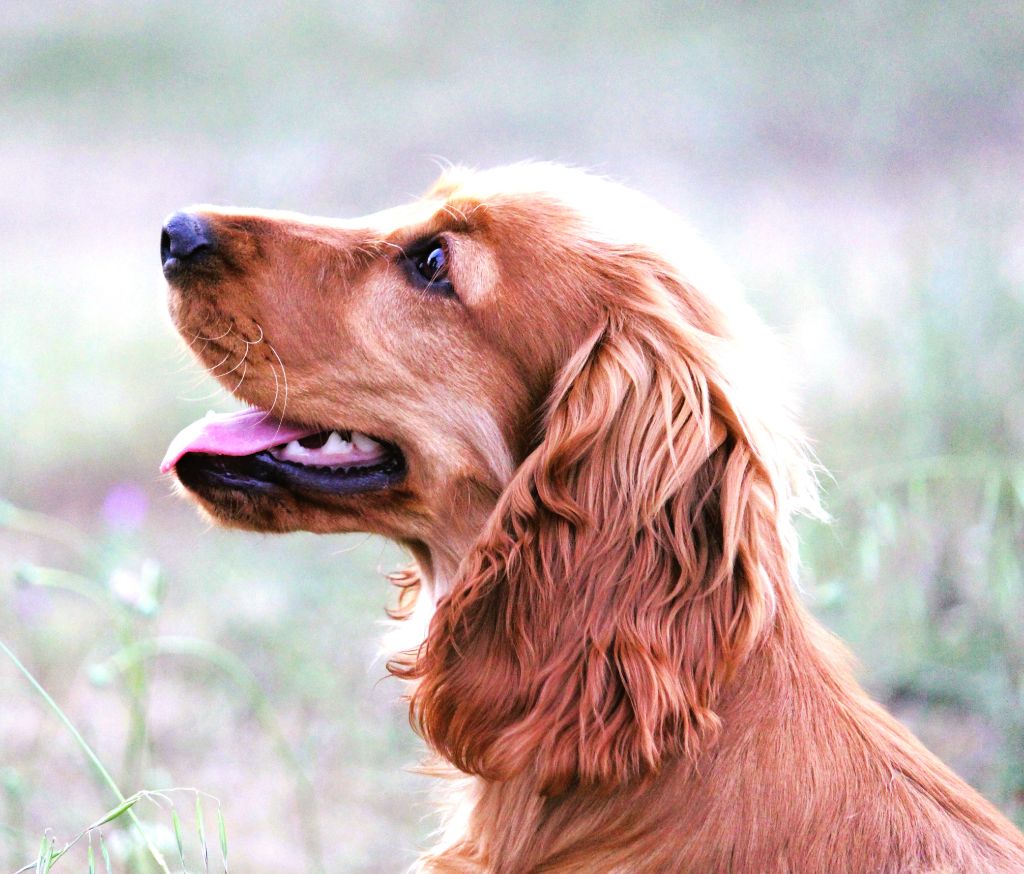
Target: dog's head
545,387
426,338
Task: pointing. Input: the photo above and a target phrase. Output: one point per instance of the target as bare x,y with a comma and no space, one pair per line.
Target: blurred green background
860,165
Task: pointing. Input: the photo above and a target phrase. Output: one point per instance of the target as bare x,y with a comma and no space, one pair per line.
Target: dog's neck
438,558
792,704
883,802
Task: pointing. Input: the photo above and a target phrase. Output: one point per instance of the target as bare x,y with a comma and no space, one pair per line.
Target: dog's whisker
277,388
184,366
180,355
218,390
197,381
227,331
209,339
237,365
284,377
241,379
277,385
258,340
389,245
352,547
442,163
454,212
213,370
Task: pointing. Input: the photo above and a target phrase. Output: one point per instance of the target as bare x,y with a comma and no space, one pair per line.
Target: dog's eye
427,266
433,266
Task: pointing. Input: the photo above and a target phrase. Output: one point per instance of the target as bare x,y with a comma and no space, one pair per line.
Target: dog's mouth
251,451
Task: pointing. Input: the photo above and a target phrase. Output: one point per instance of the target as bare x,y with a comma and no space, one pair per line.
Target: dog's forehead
584,205
388,221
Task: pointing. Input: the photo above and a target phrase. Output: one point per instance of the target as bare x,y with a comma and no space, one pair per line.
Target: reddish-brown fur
618,674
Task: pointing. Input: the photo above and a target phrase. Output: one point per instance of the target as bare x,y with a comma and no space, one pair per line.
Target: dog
546,388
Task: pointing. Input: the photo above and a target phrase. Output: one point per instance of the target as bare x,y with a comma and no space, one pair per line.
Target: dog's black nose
184,237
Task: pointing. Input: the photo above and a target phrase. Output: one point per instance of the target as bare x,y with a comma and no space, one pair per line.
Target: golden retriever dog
545,388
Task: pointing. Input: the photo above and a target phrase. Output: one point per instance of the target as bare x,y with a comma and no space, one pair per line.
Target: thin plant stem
239,672
93,758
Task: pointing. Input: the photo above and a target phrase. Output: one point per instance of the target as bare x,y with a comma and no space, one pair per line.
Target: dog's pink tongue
241,433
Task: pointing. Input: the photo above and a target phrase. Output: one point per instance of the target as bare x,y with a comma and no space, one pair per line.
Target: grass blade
105,855
176,822
201,828
223,834
40,856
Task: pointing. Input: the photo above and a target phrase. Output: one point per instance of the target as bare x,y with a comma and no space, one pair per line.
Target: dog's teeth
293,451
336,444
364,443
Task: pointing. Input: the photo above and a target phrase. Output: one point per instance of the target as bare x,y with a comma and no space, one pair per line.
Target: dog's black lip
204,262
262,473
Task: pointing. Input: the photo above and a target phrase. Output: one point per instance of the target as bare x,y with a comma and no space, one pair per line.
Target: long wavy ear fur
629,566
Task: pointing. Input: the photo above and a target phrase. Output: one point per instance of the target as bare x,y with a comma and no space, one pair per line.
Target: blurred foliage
858,163
127,592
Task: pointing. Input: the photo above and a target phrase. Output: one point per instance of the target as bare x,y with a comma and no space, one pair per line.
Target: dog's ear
625,572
